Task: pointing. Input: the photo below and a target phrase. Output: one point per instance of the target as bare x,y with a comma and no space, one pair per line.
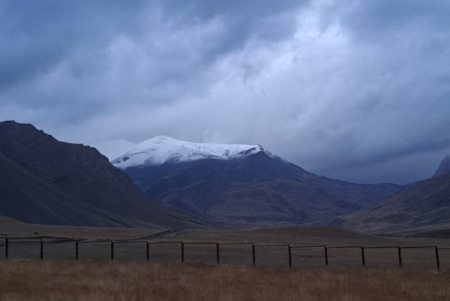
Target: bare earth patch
68,280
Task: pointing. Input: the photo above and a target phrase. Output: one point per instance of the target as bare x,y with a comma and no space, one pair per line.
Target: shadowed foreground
54,280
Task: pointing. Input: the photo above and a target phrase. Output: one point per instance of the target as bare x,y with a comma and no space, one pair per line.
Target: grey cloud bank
356,90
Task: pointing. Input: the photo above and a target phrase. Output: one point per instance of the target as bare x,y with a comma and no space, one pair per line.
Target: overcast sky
355,90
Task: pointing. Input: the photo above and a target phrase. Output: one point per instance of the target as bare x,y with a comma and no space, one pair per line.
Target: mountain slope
240,186
46,181
444,167
424,205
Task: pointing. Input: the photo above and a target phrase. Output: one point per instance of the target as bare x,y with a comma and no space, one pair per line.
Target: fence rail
219,249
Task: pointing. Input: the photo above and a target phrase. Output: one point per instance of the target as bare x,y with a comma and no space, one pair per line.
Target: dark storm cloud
144,39
25,51
412,44
37,36
357,90
244,19
379,16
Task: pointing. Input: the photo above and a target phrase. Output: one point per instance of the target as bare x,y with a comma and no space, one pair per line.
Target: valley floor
69,280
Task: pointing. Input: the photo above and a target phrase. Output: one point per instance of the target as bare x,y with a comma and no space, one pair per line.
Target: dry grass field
70,280
131,277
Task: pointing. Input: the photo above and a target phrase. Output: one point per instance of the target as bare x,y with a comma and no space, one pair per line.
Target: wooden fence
41,248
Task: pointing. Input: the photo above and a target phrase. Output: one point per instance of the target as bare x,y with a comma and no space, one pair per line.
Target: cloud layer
357,90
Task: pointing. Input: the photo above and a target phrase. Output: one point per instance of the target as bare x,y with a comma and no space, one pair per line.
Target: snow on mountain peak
161,149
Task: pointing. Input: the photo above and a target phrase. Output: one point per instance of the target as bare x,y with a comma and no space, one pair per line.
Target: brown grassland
131,277
69,280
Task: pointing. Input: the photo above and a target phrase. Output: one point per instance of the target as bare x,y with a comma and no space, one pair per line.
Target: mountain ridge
421,206
43,180
444,167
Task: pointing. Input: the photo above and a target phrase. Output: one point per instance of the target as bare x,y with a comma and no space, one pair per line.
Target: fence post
6,248
148,251
438,264
400,264
42,249
217,253
76,250
326,255
363,257
290,256
112,250
253,255
182,252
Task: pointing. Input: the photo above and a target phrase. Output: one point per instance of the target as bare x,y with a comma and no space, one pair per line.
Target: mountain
240,185
45,181
163,149
422,206
444,168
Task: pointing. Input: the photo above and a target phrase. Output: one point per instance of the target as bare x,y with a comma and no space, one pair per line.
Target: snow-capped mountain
161,149
238,185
